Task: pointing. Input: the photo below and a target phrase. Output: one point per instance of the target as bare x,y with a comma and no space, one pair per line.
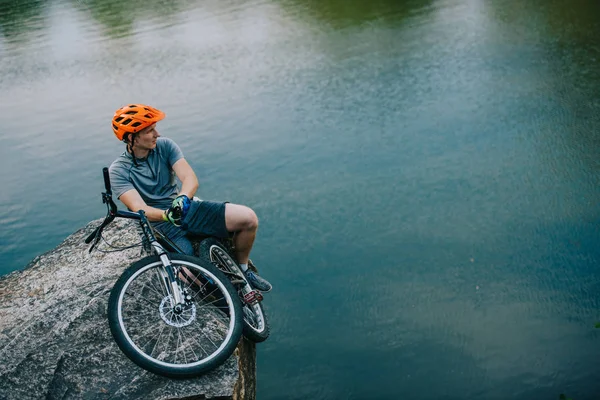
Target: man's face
146,139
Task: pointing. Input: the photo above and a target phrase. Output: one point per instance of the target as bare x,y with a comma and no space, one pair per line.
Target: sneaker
258,282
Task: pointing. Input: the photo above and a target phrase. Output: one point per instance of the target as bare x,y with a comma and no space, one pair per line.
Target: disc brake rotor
178,320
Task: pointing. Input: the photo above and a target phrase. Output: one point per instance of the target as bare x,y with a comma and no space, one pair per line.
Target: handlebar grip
92,236
106,179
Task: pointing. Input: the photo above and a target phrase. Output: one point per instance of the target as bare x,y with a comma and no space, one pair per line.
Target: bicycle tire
131,316
256,325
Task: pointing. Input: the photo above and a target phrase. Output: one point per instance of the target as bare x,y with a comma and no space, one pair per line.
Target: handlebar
106,181
112,212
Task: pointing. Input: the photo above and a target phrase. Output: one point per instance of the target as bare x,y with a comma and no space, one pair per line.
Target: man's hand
178,210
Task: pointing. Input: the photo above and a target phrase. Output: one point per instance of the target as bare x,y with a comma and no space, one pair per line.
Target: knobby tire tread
248,332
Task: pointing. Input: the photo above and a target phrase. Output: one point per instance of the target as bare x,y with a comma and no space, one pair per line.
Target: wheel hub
178,316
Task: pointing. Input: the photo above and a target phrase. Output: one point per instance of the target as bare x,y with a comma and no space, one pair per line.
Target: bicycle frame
169,280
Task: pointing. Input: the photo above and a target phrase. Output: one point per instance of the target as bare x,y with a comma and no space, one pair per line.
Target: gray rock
55,342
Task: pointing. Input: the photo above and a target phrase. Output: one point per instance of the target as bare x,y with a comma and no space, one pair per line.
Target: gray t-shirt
153,177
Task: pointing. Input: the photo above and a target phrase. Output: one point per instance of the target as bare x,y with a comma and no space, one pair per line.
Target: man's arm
134,202
185,173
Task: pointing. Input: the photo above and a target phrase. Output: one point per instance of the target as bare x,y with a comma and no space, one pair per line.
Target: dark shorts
204,218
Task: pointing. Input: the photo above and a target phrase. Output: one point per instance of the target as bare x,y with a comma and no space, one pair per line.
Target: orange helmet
133,118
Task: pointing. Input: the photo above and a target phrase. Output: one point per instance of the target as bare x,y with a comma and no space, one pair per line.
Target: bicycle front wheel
175,342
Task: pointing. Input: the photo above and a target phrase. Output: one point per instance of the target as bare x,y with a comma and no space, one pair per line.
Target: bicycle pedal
253,297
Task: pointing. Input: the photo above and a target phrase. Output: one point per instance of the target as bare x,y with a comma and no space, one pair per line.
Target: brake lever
92,235
95,236
97,239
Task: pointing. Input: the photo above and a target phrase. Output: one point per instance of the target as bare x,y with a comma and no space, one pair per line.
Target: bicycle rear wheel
170,342
256,326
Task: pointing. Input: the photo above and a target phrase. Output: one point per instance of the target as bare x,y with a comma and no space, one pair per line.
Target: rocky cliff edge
55,342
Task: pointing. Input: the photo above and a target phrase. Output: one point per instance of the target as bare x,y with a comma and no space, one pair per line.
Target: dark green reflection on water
342,13
118,17
574,22
425,171
19,18
564,50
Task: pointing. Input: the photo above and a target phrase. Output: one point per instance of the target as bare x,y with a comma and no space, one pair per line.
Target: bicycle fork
169,280
167,273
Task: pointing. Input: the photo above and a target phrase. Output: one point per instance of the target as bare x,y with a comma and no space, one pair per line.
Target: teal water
426,173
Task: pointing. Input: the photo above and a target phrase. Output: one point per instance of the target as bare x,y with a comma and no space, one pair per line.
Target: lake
426,173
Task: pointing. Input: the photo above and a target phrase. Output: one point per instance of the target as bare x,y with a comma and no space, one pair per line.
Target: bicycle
176,315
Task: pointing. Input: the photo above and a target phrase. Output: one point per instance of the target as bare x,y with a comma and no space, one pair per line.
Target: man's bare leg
244,222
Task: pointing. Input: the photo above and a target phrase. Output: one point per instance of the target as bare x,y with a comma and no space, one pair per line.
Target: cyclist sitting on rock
143,178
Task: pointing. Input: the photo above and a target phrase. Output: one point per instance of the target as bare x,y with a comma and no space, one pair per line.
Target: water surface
426,173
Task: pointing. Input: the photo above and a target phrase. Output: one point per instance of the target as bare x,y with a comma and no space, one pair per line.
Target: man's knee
250,220
241,218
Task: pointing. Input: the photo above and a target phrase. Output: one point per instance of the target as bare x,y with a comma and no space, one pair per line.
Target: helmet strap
133,136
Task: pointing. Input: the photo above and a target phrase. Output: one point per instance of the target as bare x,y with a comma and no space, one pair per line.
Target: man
143,178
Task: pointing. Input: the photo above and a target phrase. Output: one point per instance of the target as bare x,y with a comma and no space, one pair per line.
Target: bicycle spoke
209,295
158,340
250,316
143,346
203,333
165,351
161,287
188,334
139,298
200,344
179,342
